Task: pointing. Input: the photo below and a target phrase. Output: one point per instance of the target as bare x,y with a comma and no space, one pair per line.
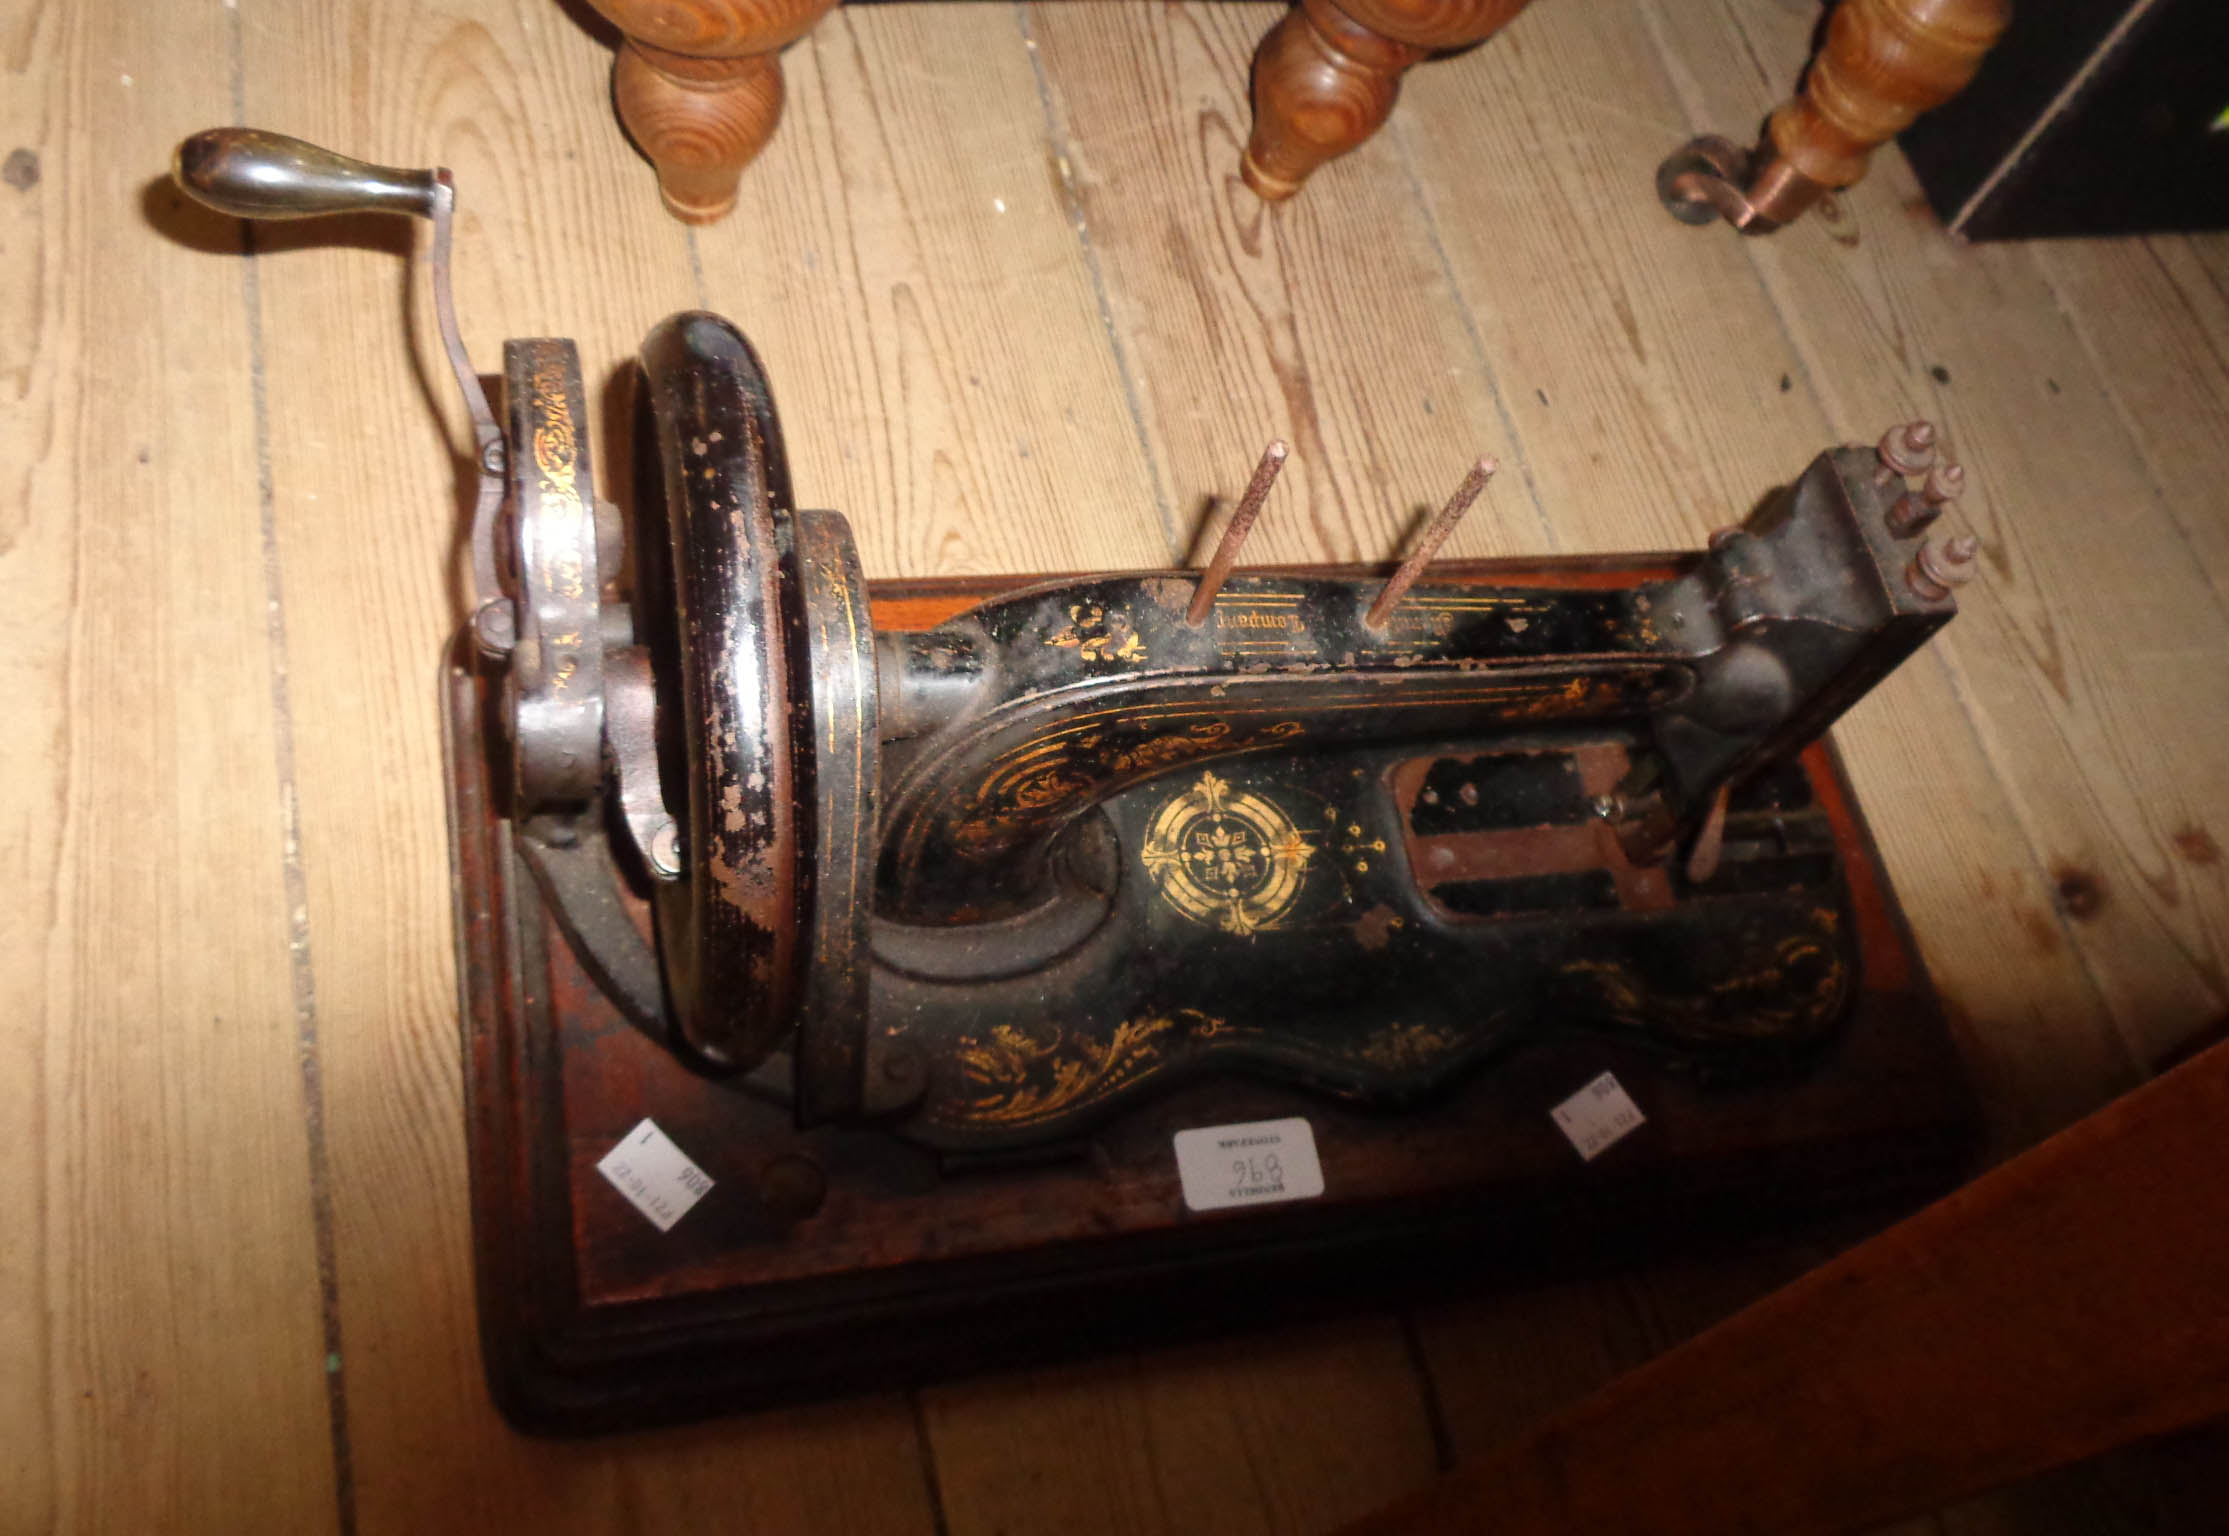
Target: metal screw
495,627
665,849
1935,570
792,1186
1905,450
492,456
1913,514
1606,807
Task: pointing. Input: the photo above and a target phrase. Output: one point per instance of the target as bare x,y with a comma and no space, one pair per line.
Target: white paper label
1597,1116
1255,1164
655,1175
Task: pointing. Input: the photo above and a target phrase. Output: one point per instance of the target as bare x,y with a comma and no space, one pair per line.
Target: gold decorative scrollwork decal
1019,1076
1406,1047
1799,988
1032,789
1229,860
1100,633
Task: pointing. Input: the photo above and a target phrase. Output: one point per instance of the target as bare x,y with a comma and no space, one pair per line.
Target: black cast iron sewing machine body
988,880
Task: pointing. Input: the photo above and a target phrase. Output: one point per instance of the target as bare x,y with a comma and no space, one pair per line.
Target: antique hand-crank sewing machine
846,964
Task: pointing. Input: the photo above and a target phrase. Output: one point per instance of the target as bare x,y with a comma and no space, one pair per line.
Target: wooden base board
593,1319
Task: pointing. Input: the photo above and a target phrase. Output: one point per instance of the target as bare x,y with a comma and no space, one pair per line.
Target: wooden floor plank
903,262
1501,1366
159,1311
559,235
2155,322
1295,1432
2087,655
2209,255
1645,370
1328,321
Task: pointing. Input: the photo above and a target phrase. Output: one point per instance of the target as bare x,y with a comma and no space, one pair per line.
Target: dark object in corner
2087,120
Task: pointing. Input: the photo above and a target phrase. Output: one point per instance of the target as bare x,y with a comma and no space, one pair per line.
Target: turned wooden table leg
699,86
1884,63
1326,76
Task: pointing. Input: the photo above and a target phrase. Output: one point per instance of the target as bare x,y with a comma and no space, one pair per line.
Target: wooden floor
1020,315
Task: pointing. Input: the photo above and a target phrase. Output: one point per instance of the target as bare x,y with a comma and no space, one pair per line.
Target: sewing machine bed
843,1259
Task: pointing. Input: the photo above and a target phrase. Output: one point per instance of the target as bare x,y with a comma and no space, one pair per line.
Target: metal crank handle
251,174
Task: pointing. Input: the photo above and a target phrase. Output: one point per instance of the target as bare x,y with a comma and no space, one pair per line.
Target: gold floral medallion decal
1100,633
1232,861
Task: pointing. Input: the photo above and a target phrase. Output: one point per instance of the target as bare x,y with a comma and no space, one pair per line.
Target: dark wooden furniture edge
2063,1304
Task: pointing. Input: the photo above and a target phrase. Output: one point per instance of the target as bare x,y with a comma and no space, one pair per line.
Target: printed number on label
1597,1116
655,1175
1259,1163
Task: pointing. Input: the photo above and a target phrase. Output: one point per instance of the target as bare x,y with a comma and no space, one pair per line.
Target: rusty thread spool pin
1914,514
1937,570
1434,536
1234,534
1908,449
